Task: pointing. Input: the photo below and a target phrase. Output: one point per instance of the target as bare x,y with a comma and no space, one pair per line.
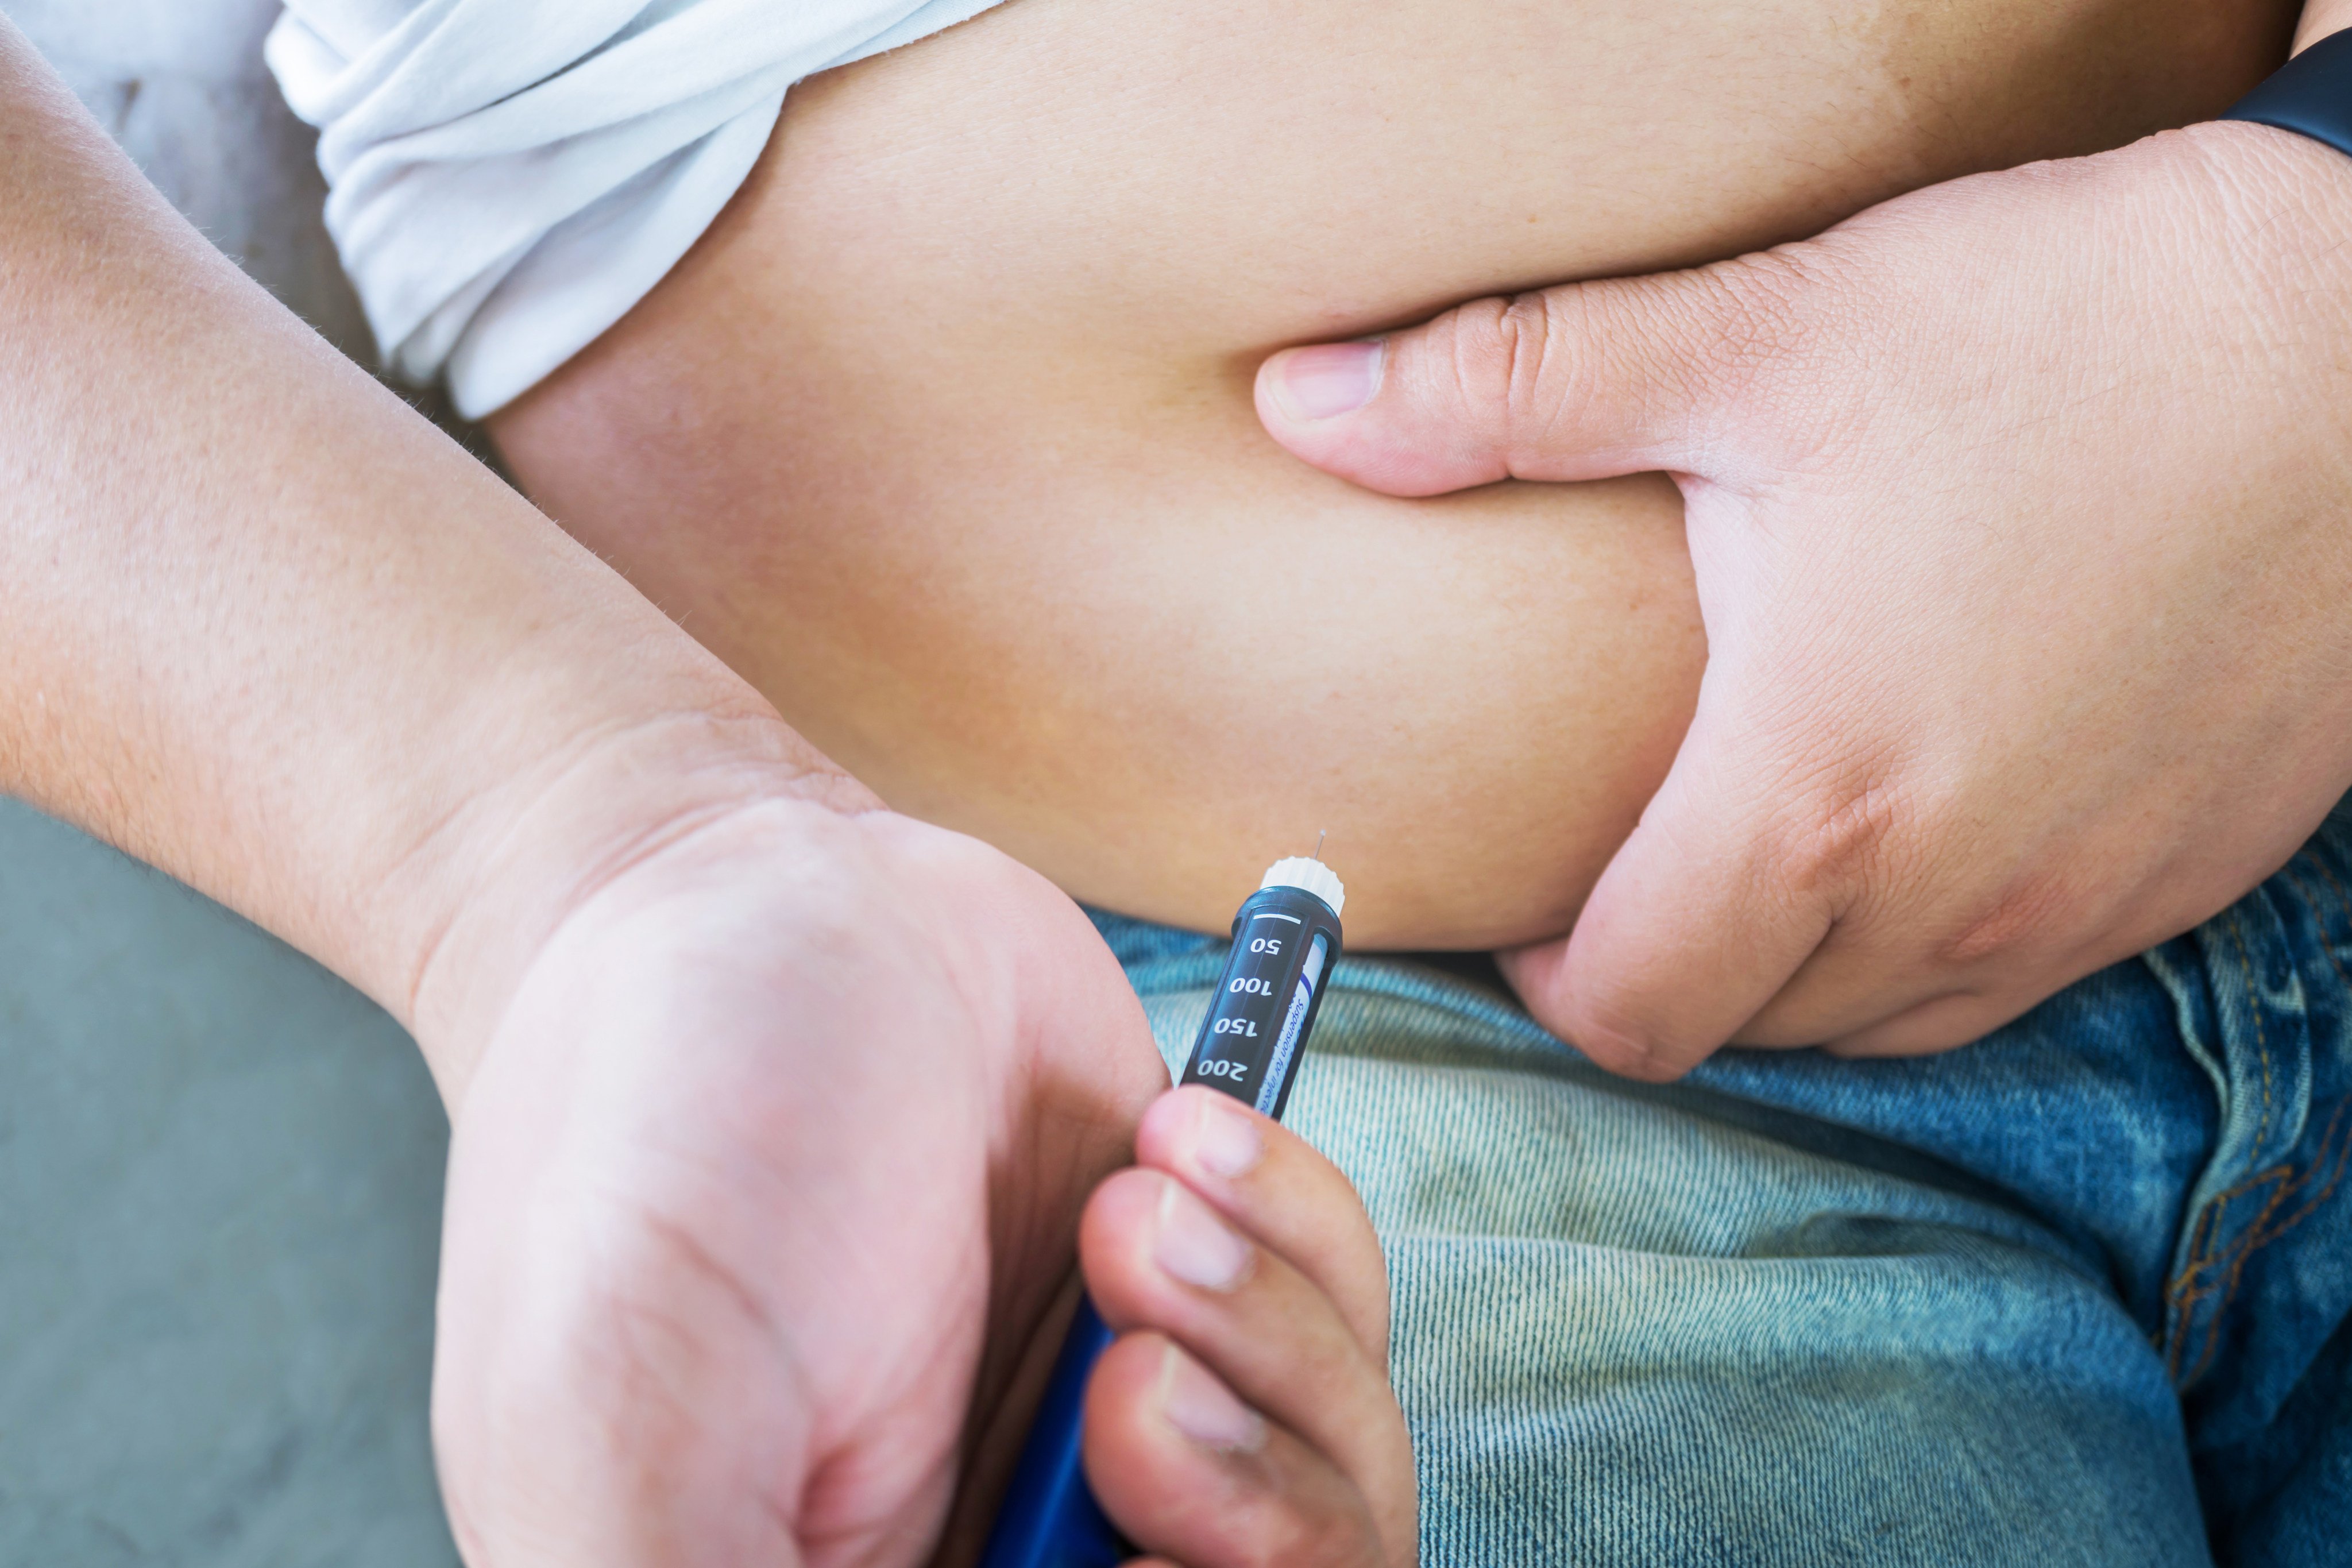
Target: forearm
269,631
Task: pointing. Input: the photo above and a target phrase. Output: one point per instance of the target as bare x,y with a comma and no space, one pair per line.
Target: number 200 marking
1221,1069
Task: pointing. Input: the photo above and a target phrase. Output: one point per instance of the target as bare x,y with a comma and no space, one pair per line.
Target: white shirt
507,177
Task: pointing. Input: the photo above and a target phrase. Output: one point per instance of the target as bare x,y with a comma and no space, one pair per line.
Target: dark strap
2311,94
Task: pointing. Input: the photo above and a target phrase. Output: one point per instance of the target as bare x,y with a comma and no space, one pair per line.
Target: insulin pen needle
1285,939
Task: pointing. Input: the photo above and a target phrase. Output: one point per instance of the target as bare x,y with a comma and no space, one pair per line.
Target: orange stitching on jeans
2318,1159
2257,1242
2185,1291
2259,1235
2182,1293
2256,1180
2185,1295
2254,1236
2247,1246
2176,1294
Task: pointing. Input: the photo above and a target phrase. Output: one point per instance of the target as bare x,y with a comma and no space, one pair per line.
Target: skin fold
943,436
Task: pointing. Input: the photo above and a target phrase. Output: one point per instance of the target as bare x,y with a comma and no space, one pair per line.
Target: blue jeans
2080,1293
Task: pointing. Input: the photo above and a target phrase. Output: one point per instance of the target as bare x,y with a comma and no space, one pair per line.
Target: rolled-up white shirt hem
508,178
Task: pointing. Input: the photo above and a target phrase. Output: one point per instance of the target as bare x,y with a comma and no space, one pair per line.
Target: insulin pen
1286,938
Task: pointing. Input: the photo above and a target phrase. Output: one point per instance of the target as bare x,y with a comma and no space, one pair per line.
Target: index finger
1275,1187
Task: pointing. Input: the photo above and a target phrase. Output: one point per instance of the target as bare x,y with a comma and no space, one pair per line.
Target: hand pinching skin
2015,511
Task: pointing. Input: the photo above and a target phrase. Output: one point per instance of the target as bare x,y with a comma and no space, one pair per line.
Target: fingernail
1196,1245
1328,379
1204,1410
1225,1142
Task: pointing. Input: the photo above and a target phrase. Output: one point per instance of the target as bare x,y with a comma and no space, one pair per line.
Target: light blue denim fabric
2077,1294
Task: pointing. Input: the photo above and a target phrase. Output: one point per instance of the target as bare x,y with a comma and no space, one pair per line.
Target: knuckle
1494,360
1565,349
1531,326
2029,914
1837,833
1737,336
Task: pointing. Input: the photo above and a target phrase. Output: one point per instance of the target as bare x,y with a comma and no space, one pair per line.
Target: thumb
1586,381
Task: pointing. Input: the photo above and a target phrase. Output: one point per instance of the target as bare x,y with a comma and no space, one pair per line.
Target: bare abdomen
943,437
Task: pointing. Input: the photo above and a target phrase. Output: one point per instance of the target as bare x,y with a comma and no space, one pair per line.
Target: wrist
501,873
2321,18
2277,251
2276,207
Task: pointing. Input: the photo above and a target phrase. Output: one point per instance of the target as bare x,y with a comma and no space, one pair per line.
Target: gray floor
220,1179
220,1170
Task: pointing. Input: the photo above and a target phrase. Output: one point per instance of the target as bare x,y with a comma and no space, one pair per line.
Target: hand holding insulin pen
1285,939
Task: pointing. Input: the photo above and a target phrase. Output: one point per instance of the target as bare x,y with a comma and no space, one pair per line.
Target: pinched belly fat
943,436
